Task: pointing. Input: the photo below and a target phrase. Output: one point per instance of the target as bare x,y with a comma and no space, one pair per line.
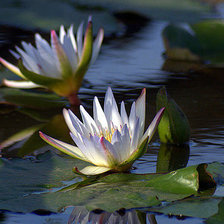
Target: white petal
124,115
109,101
28,61
94,170
112,154
80,39
72,38
46,58
17,56
126,142
135,136
140,110
132,118
111,110
43,44
118,146
20,84
96,45
74,124
78,139
94,152
116,121
62,34
61,58
12,67
152,127
99,116
28,49
70,51
89,123
64,147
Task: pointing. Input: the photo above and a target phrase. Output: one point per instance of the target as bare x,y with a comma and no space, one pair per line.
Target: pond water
127,64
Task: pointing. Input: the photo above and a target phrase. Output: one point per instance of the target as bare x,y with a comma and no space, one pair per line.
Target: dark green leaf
36,78
218,218
174,127
193,207
30,99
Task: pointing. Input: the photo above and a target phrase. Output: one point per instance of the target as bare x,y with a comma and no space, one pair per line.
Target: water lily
110,140
59,66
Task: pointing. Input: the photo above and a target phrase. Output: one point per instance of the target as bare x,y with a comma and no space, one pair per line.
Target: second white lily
59,66
110,140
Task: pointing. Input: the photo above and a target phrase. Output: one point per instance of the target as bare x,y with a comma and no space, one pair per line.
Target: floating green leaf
217,218
109,193
192,207
171,10
30,99
180,44
21,14
174,127
203,42
210,33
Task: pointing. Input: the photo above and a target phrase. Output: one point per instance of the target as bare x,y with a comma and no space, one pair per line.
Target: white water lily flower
59,66
110,140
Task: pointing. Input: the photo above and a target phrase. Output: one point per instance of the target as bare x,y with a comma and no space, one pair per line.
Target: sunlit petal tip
11,67
20,84
45,137
90,19
100,36
17,56
65,113
76,171
91,170
66,148
53,33
152,127
62,28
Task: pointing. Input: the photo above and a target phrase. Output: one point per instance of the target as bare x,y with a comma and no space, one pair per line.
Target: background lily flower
110,140
59,66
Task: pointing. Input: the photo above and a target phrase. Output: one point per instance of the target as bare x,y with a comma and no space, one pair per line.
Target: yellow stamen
108,135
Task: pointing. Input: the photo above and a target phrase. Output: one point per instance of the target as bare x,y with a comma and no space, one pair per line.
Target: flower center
107,134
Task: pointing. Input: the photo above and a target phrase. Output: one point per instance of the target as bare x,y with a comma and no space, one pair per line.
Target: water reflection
172,157
80,215
26,142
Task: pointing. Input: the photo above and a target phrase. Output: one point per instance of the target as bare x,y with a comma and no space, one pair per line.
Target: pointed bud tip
90,19
41,134
53,34
143,91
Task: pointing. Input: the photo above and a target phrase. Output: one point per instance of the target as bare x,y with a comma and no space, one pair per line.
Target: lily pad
36,14
201,41
217,218
31,99
181,44
172,10
45,177
192,207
